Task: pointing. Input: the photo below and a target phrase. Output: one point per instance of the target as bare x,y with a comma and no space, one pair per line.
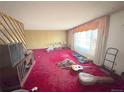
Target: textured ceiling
57,15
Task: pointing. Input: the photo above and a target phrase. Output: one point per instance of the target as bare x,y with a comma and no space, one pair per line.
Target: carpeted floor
48,77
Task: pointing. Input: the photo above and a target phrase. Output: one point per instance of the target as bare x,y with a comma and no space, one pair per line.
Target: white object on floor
50,49
86,79
77,67
34,89
89,79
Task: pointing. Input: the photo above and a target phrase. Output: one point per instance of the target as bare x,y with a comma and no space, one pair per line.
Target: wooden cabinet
13,74
9,79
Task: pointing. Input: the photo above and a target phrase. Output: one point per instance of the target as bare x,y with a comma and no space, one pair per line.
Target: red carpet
48,77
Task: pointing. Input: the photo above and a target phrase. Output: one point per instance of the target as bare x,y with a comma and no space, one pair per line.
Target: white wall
116,38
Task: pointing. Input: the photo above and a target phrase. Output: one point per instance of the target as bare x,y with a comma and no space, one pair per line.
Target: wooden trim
1,13
18,30
8,26
5,34
16,23
2,40
2,35
15,35
15,30
12,30
22,29
11,40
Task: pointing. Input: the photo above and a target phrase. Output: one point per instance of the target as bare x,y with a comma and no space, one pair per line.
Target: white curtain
85,42
103,29
100,44
70,39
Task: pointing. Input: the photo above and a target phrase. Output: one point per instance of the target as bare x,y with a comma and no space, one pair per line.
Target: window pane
85,42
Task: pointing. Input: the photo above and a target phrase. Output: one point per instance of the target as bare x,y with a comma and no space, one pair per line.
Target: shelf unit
109,59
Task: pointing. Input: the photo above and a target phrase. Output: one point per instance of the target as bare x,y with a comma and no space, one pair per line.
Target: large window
85,42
